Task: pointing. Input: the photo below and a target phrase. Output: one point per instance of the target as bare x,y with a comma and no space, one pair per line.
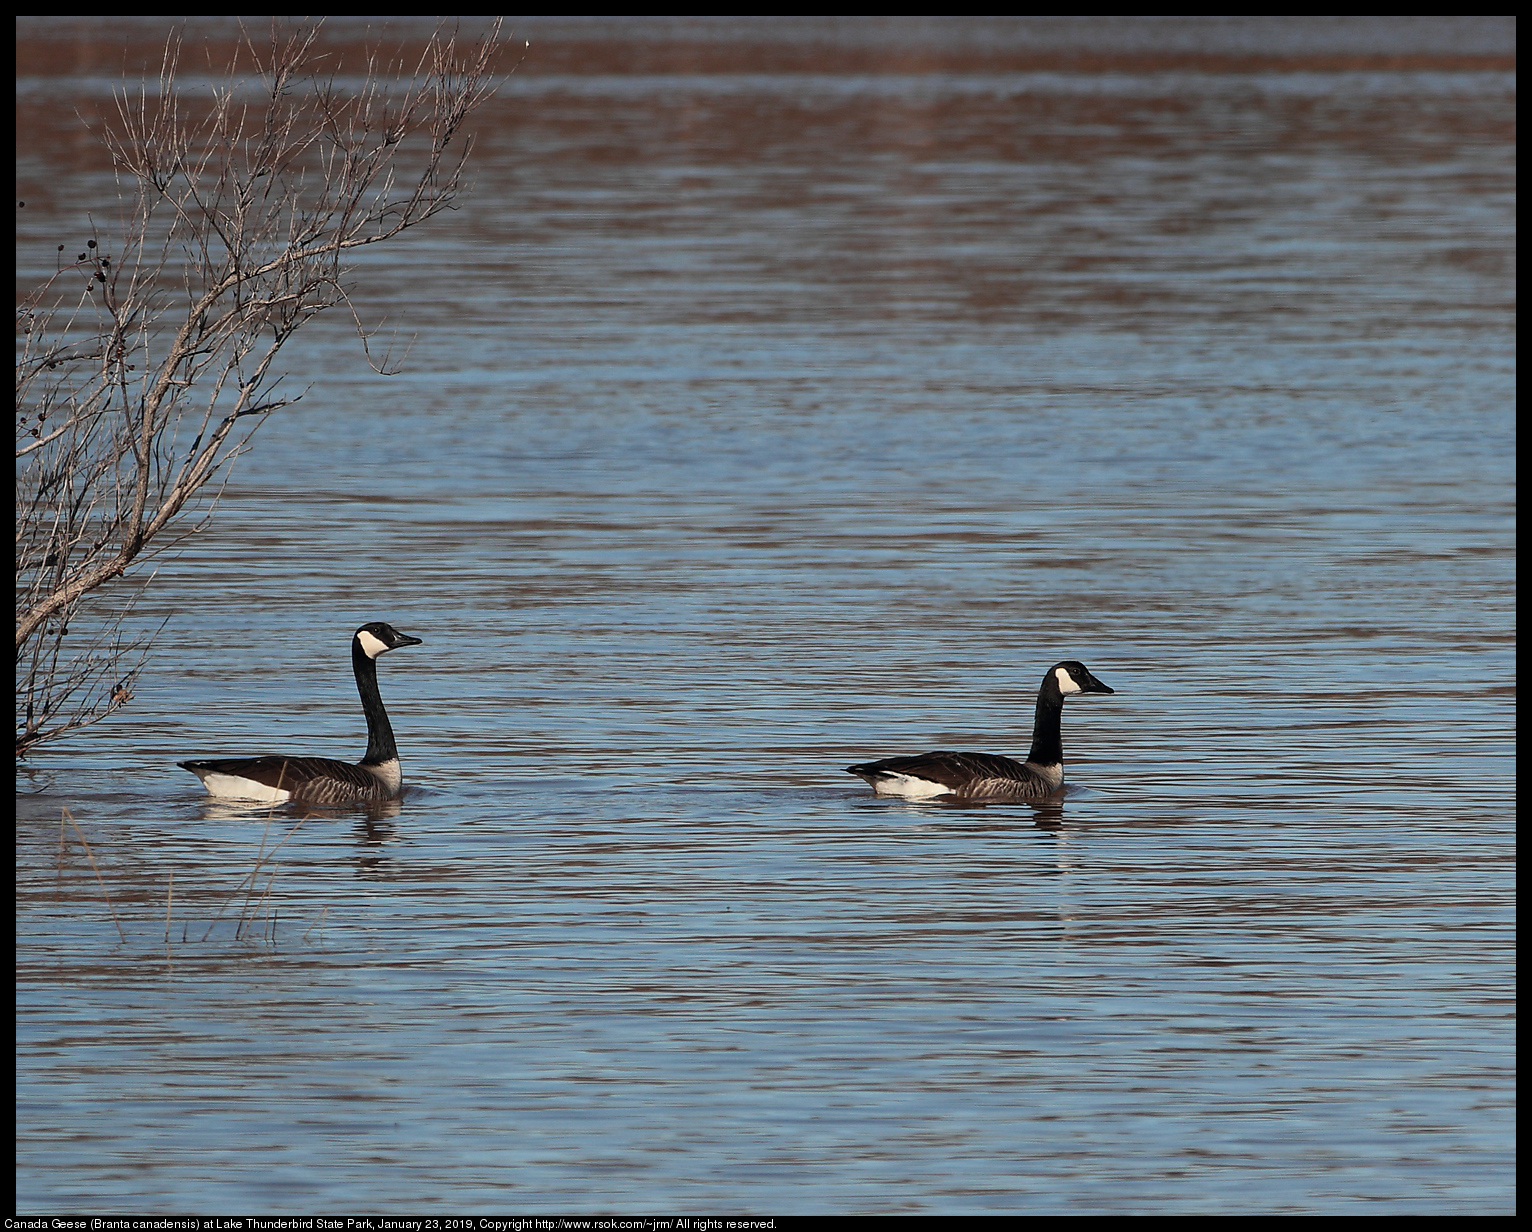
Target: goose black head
379,638
1074,677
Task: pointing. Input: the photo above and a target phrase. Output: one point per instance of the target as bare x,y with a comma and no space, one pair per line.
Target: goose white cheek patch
1066,681
371,646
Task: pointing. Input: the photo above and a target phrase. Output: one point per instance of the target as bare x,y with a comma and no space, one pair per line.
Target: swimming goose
988,776
320,780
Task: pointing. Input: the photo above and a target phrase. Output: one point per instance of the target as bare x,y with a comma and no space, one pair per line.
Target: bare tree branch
243,206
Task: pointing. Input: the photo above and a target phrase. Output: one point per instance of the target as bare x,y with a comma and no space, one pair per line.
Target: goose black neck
380,736
1047,739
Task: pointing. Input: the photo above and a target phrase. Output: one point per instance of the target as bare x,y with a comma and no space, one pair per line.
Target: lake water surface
760,422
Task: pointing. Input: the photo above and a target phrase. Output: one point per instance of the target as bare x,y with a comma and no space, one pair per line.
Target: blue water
756,424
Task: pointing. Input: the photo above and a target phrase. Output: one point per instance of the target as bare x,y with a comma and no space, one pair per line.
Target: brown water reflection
790,394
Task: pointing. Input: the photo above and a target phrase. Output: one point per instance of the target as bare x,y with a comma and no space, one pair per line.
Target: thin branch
242,206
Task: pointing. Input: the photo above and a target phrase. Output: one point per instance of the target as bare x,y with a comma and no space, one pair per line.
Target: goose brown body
323,780
990,776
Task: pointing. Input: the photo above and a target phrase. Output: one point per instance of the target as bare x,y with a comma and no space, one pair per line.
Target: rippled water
759,423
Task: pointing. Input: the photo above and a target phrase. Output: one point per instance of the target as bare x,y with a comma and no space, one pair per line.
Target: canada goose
320,780
988,776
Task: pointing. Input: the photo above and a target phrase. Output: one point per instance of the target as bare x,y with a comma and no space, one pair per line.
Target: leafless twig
68,816
144,364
